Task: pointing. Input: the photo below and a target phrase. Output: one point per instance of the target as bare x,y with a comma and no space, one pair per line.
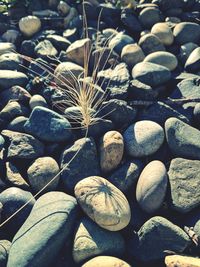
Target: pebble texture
103,203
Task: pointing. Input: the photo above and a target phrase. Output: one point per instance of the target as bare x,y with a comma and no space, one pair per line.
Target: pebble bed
124,191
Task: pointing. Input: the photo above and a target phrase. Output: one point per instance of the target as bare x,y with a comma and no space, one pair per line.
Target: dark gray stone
115,81
48,125
184,180
119,112
9,78
150,43
12,199
84,164
154,237
17,124
22,146
126,176
119,41
48,227
141,91
98,128
151,74
13,93
185,32
183,139
130,20
59,42
10,61
4,251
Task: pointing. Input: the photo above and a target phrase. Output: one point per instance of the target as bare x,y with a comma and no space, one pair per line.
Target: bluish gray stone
185,32
48,125
84,164
126,176
119,41
193,62
184,181
48,227
183,139
9,78
17,124
154,237
4,250
12,199
151,74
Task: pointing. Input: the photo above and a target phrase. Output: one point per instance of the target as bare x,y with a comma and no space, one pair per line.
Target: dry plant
80,92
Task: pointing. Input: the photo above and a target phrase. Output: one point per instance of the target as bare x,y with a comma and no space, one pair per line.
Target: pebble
150,43
141,91
143,138
151,186
12,199
106,261
132,54
149,16
185,32
163,58
52,127
17,124
41,172
183,139
126,176
6,47
45,50
51,220
29,25
104,203
193,62
78,51
181,261
186,50
111,150
184,182
13,93
10,61
154,237
86,162
96,240
2,142
151,74
163,32
37,101
11,36
9,78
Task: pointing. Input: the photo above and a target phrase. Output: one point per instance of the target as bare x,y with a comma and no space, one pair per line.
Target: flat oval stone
151,74
181,261
106,261
41,172
6,47
149,16
48,125
163,58
132,54
185,32
29,25
193,62
150,43
9,78
143,138
119,41
91,240
111,150
163,32
103,203
183,139
151,186
51,221
37,101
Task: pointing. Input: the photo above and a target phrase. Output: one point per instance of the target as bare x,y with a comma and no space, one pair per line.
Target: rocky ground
100,133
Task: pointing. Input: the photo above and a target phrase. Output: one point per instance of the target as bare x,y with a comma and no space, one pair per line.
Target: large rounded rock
67,73
163,32
9,78
150,43
186,50
103,203
13,199
149,16
132,54
143,138
111,150
118,42
185,32
6,47
37,101
48,125
193,62
183,139
45,50
106,261
4,251
184,180
154,237
151,74
10,61
91,240
41,172
164,59
152,186
181,261
29,25
44,233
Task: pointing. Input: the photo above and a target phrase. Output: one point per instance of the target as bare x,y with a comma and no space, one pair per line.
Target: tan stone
181,261
132,54
163,32
106,261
